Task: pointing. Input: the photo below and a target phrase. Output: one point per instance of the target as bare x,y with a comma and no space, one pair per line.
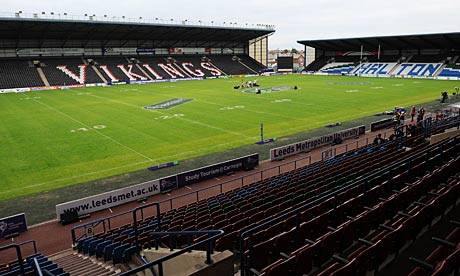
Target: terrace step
81,265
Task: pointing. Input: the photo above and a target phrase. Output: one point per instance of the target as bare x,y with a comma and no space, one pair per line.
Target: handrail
27,242
347,147
36,267
18,254
146,262
141,208
95,223
213,235
362,180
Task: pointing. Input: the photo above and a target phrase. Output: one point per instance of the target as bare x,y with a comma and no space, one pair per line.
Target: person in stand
399,132
444,96
439,116
402,118
421,114
413,111
378,140
396,118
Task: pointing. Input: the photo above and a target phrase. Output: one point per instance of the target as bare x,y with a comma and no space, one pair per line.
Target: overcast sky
294,20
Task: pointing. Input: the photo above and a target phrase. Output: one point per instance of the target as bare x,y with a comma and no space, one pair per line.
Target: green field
52,139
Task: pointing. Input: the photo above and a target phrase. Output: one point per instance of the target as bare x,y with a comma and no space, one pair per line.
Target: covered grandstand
423,56
52,51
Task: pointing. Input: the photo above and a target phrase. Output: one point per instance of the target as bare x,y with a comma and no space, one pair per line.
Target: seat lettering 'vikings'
128,72
81,78
189,68
152,71
110,74
214,71
172,72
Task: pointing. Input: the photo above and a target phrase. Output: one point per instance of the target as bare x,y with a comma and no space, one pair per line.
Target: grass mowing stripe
39,147
181,118
97,131
72,177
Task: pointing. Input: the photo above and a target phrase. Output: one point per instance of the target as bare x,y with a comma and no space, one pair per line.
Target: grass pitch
52,139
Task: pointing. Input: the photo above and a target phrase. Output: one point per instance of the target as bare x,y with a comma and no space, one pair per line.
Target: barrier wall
106,200
308,145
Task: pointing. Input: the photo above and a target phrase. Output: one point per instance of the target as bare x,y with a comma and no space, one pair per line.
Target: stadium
138,147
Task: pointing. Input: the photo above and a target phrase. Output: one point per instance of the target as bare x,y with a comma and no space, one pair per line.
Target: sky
294,20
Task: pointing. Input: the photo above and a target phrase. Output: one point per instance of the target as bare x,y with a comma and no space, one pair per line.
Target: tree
294,51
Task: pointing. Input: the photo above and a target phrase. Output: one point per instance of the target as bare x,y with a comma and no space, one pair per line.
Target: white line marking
188,187
181,118
110,210
171,156
97,131
72,177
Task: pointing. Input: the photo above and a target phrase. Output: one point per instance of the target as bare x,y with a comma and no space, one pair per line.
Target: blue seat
117,255
108,250
87,244
92,246
128,253
100,248
82,242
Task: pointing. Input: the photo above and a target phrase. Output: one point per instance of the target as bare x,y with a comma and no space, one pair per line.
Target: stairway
42,76
249,68
80,265
439,70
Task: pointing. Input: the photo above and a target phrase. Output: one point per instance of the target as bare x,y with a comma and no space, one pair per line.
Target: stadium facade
416,56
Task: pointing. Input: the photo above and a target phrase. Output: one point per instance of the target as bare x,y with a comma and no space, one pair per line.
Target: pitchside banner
13,225
292,149
244,163
385,123
110,199
168,183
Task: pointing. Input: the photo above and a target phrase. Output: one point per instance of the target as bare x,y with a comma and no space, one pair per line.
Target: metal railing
19,258
362,180
106,223
36,267
209,241
141,209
